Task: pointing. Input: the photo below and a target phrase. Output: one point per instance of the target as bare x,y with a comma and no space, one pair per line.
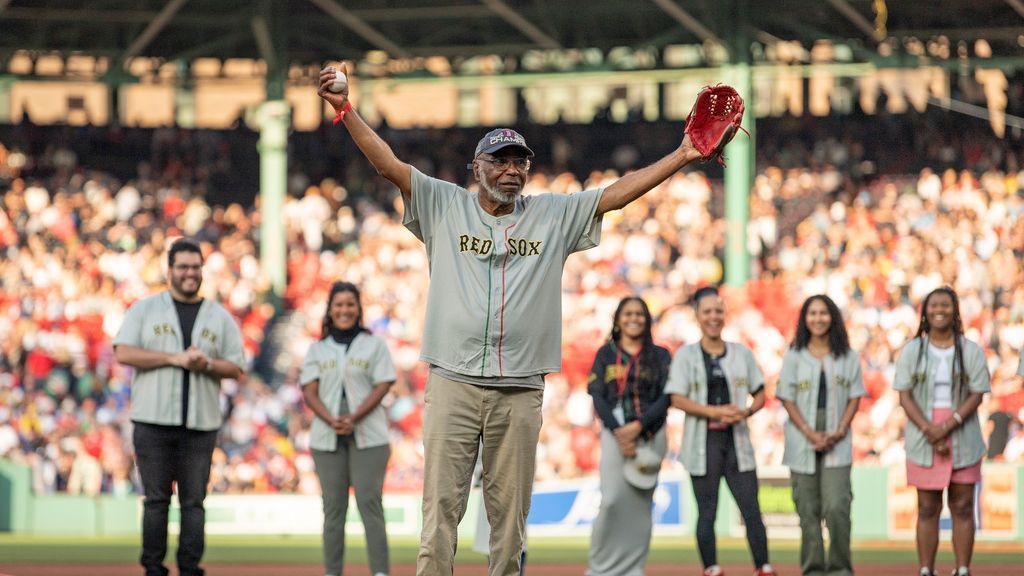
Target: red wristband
342,112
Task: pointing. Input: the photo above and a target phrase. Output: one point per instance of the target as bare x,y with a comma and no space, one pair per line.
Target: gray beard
497,196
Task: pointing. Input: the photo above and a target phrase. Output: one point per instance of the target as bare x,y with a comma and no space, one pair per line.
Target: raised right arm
376,150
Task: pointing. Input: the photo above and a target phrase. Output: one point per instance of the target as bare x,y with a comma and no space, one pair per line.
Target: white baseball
340,82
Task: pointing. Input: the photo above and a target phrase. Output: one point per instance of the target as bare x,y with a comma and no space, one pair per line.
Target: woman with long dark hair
627,383
712,381
344,377
820,386
941,377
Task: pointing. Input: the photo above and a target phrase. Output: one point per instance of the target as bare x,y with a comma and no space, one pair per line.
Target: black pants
721,461
168,455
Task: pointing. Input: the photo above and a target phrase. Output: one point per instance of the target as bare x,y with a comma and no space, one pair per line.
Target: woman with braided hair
627,383
941,377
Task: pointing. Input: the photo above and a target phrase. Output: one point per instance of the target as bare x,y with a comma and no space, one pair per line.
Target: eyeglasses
502,164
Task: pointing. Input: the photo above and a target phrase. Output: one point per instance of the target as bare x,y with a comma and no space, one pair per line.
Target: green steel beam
275,123
739,178
739,171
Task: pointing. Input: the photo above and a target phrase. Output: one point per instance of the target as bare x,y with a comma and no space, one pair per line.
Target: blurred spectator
839,205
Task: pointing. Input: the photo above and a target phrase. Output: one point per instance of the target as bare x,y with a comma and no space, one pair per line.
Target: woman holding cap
820,387
711,380
627,383
941,377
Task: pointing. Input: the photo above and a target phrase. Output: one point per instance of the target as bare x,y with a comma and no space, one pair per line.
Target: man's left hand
197,361
688,149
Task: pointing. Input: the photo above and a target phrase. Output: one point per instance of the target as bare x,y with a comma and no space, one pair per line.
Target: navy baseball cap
501,138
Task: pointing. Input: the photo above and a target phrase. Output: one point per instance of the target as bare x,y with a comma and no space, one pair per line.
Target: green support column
185,97
6,110
739,178
270,27
275,121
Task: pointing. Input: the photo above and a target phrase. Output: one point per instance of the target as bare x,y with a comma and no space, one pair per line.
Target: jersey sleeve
581,225
754,375
310,367
678,383
232,348
979,380
786,387
130,333
383,366
597,386
426,206
857,389
904,378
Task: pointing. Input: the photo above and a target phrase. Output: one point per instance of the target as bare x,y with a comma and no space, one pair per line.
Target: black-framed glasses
502,164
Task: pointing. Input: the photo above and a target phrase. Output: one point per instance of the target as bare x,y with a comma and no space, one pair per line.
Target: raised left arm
636,184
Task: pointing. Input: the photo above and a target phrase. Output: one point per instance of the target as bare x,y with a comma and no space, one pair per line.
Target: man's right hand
180,359
728,414
336,99
344,425
192,359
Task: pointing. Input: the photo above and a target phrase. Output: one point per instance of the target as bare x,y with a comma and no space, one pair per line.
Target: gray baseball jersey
798,383
688,377
356,369
152,323
494,307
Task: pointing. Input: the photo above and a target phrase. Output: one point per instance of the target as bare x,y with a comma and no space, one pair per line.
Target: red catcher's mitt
714,120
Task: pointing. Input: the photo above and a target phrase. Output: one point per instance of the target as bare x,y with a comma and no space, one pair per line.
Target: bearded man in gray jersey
493,325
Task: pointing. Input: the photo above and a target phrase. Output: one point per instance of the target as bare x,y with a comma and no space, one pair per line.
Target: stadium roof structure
306,32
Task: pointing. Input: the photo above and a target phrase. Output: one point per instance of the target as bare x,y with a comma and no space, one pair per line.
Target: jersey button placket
497,297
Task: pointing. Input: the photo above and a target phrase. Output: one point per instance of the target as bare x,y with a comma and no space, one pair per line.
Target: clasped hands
728,414
824,441
626,436
193,360
344,425
937,434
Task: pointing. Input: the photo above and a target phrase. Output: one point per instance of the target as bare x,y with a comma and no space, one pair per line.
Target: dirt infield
477,570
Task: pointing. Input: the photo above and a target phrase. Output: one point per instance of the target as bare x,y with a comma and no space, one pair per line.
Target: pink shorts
941,474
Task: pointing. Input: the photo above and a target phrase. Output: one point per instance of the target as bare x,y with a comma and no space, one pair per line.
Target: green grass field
306,550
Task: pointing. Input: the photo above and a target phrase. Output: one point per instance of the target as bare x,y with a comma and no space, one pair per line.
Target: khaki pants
362,469
458,419
825,495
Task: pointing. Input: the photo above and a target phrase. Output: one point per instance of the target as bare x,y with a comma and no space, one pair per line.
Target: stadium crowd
81,243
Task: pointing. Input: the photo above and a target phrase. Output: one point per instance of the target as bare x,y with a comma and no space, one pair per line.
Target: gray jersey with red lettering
494,307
